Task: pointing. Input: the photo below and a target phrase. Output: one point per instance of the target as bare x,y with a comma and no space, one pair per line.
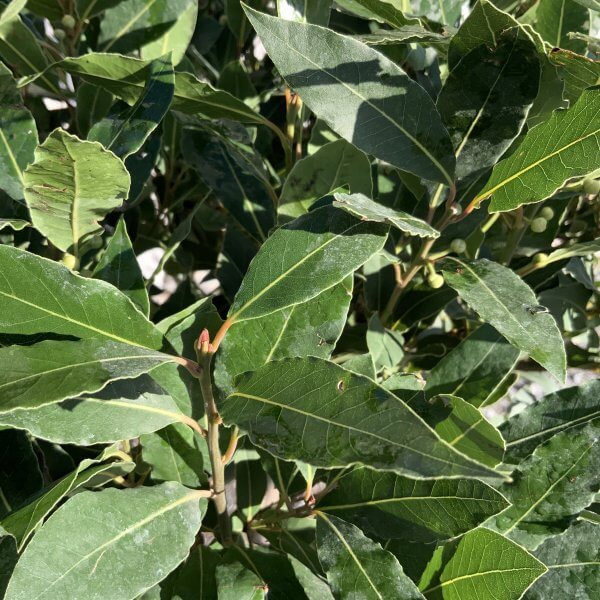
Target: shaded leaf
382,11
441,11
554,19
236,582
578,72
305,11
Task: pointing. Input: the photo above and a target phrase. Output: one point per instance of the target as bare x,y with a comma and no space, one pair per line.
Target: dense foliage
298,299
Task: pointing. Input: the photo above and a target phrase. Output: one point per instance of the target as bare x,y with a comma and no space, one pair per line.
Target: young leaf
356,566
391,506
314,252
125,129
554,19
508,304
124,409
18,136
308,329
572,560
121,542
486,98
475,369
315,411
22,523
42,296
333,165
368,210
363,96
118,265
52,371
70,187
562,148
552,486
476,567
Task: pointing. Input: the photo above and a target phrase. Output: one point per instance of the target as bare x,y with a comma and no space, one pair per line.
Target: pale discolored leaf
52,371
552,486
391,506
363,96
333,165
42,296
563,147
309,409
121,542
368,210
475,368
313,253
508,304
478,566
358,567
71,186
118,265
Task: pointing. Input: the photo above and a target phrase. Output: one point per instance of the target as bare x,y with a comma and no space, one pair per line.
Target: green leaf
565,409
314,252
554,19
368,210
441,11
358,567
383,11
305,11
578,72
580,249
315,411
20,475
406,34
121,542
175,454
391,506
14,224
332,166
572,560
552,486
310,328
124,130
251,486
23,522
560,149
237,21
475,368
385,113
8,559
93,103
42,296
508,304
476,567
70,187
91,8
486,98
236,582
52,371
18,136
118,265
386,346
123,410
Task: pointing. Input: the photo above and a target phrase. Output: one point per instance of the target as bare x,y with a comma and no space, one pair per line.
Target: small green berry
540,258
435,281
547,213
458,245
538,225
591,186
60,34
68,22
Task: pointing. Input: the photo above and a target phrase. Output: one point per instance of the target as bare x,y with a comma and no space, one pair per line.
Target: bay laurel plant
298,299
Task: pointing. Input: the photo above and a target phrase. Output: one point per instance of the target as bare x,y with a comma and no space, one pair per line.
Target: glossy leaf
368,210
41,296
52,371
124,130
475,368
122,410
549,155
70,187
309,409
118,265
391,506
358,567
311,328
486,98
314,252
363,96
554,19
160,523
333,165
18,136
479,565
552,486
503,300
572,560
